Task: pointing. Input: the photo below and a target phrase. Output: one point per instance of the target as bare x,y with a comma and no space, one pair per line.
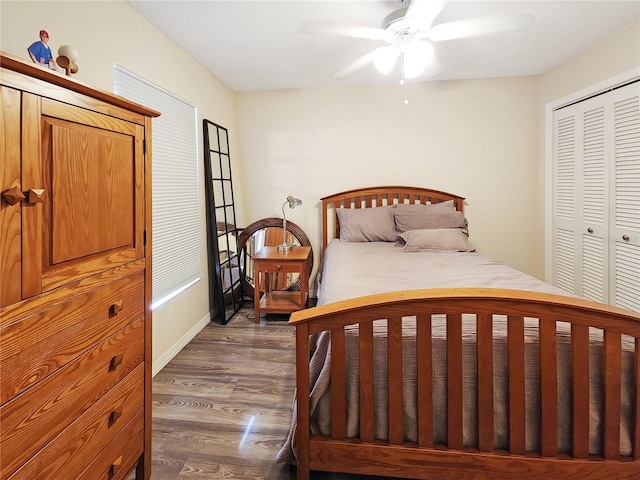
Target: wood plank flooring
222,406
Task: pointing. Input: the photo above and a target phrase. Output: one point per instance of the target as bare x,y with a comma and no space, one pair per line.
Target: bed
488,373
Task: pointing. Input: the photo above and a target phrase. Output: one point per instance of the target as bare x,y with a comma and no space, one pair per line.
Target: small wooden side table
268,261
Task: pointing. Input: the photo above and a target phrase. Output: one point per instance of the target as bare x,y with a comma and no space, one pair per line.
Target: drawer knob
115,466
13,195
625,238
114,416
115,308
115,361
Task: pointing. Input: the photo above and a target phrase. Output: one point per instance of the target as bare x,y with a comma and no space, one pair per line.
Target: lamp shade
293,202
385,58
416,57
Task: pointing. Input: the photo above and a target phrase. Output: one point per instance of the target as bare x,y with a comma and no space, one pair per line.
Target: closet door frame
550,107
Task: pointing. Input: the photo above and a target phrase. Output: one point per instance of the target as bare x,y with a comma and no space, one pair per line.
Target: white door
596,224
581,207
625,198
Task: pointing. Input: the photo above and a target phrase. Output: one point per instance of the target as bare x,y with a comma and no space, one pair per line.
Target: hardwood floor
222,406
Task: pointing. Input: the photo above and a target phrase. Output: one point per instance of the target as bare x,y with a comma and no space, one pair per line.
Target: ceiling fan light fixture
416,57
385,59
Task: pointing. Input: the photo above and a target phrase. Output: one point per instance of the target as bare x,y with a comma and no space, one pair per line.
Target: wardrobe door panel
10,206
92,214
95,222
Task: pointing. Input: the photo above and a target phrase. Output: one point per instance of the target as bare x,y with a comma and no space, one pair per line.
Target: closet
75,279
596,197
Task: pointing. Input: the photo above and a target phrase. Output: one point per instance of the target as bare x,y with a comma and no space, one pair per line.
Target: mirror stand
268,232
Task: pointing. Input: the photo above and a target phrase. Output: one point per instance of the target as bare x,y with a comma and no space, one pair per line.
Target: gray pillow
366,224
436,240
425,219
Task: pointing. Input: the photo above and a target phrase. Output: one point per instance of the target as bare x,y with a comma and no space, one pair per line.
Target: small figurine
40,52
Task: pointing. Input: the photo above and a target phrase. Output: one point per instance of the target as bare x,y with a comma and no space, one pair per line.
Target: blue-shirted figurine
40,51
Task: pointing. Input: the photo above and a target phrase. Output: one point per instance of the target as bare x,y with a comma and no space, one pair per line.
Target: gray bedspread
356,269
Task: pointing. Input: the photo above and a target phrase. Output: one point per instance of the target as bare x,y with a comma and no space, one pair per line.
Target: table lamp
293,202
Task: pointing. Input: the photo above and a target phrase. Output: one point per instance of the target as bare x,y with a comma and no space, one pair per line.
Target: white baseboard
179,345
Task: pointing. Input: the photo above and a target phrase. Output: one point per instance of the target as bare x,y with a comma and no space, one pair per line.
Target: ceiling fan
409,32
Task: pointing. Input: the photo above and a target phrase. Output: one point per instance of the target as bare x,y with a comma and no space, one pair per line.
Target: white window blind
176,227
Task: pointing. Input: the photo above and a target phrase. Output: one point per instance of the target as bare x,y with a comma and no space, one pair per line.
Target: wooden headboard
376,197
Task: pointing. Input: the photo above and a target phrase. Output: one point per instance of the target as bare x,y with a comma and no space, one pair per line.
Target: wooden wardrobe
75,279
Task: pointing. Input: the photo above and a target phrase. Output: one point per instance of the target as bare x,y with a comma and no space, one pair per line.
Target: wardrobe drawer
40,344
68,454
119,458
36,416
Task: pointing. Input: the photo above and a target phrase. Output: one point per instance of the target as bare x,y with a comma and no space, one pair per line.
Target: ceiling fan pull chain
406,93
403,80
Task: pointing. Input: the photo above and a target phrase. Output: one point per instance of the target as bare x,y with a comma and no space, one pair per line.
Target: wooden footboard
426,459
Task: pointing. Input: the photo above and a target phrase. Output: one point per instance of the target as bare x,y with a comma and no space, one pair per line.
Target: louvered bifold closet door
581,199
596,202
594,225
565,216
625,211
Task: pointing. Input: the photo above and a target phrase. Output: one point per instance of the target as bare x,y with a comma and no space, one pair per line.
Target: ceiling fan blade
356,65
425,9
475,27
321,27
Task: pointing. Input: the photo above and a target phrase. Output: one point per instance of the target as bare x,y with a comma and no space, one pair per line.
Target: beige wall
475,138
616,54
112,32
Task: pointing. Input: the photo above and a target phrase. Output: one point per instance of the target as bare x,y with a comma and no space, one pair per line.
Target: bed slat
454,381
515,346
425,381
612,383
485,382
394,351
366,382
338,407
548,388
580,382
303,390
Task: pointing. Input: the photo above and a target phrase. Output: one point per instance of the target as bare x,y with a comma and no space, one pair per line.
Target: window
176,216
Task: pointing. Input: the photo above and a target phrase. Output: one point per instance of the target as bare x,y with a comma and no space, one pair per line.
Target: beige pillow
366,224
425,219
436,240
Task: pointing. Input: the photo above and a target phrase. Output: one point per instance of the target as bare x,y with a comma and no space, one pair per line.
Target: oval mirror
268,232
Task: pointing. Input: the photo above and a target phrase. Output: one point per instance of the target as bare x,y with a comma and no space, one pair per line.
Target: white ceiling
257,45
